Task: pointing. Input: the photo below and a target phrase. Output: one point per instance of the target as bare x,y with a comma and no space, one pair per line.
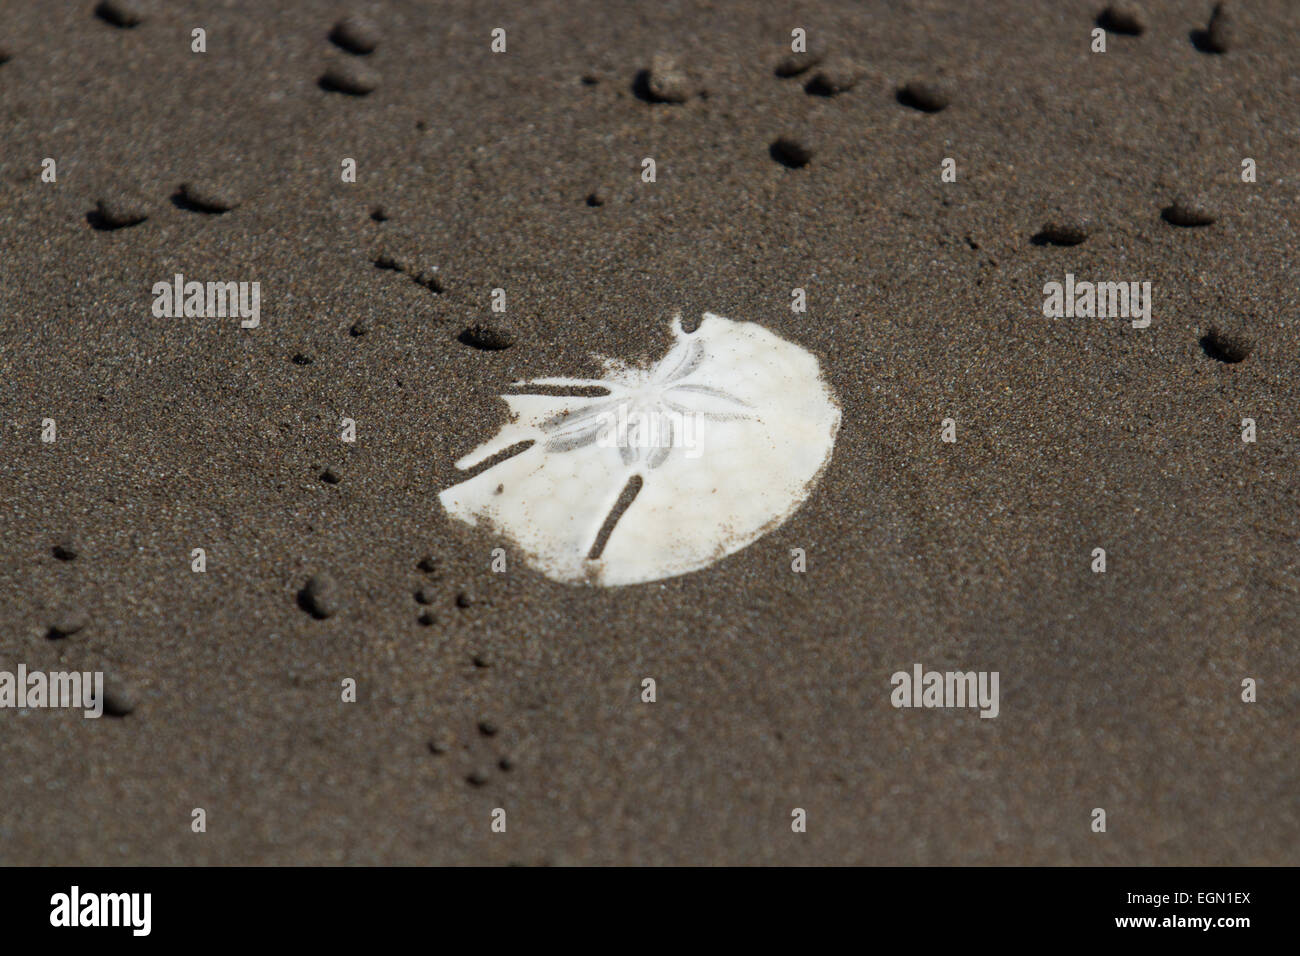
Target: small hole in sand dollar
561,391
505,454
630,491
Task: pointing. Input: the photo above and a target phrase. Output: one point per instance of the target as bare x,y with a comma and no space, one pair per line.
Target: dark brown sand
1118,690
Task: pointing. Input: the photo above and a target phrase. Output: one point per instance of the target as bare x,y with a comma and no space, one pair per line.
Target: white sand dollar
714,445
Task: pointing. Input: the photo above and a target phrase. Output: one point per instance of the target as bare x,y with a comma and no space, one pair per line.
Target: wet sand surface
522,171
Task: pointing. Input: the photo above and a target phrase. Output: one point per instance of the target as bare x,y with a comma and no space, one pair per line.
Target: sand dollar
681,463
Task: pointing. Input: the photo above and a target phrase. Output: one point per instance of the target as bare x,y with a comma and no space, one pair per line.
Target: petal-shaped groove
684,364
